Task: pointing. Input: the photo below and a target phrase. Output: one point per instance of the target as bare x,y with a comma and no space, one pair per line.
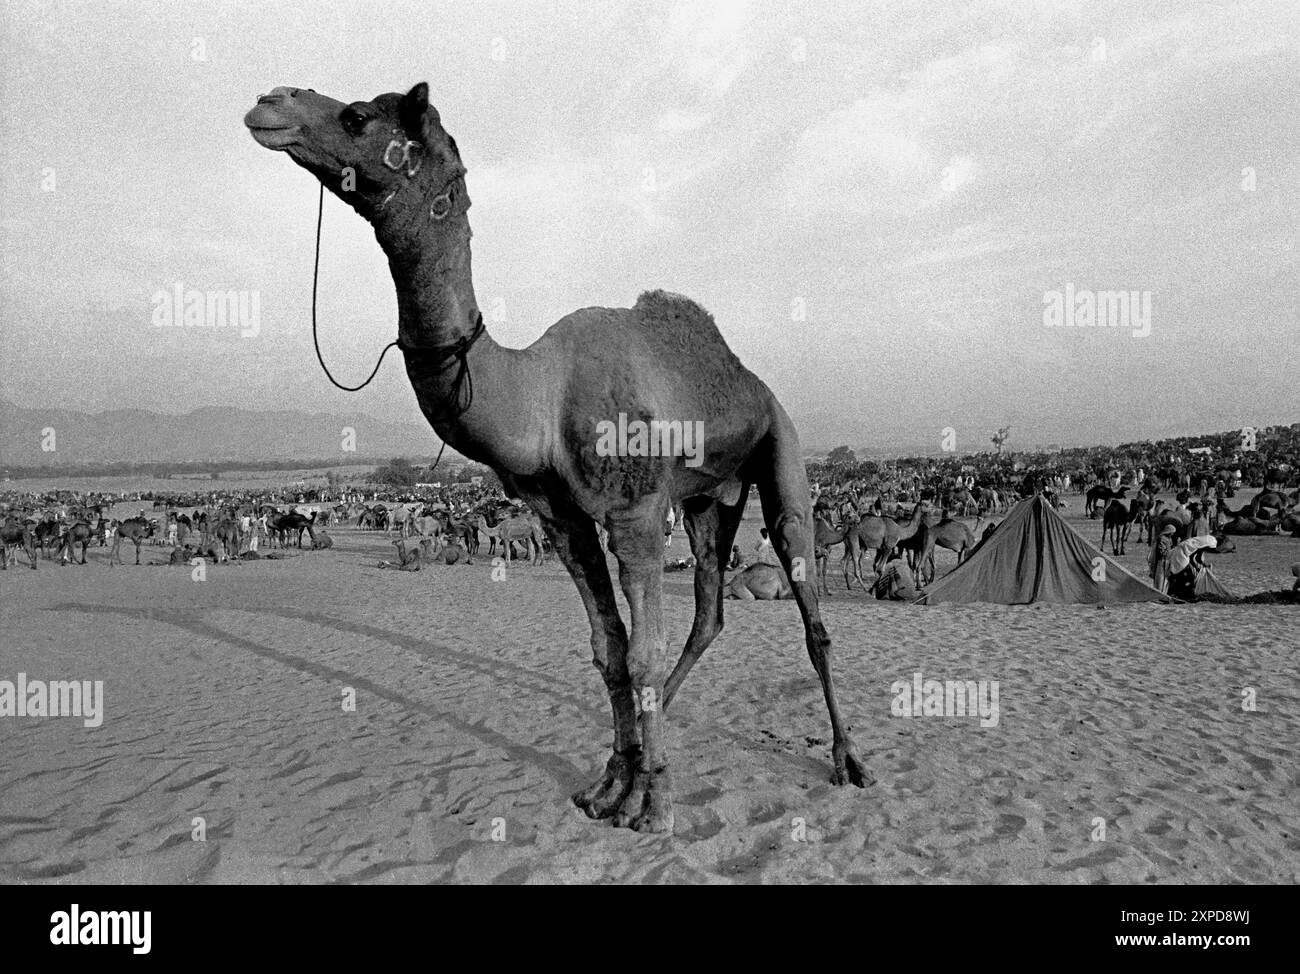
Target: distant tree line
401,472
164,470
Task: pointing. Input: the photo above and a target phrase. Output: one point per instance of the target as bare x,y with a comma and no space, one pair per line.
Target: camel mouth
268,129
277,137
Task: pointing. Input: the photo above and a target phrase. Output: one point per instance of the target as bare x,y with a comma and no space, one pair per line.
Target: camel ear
411,112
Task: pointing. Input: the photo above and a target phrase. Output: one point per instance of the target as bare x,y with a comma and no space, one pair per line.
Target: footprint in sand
764,813
1008,825
1263,765
701,797
699,824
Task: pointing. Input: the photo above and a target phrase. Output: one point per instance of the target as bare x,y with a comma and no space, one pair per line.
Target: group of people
1175,562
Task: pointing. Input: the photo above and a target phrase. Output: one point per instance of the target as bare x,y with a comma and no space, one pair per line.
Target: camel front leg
579,549
851,558
639,550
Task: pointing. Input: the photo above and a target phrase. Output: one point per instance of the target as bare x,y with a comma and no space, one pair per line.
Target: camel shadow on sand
501,672
565,774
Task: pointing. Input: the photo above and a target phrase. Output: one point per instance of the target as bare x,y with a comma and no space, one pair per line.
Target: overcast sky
872,199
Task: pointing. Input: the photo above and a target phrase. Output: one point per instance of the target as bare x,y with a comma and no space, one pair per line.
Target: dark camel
282,525
14,534
133,529
1115,521
80,533
534,415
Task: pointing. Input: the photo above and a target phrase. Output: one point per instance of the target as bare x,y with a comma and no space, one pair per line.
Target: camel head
384,156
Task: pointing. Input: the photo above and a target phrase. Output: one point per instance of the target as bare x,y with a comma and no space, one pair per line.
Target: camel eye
354,123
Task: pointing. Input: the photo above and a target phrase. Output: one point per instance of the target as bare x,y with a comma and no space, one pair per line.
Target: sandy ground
478,712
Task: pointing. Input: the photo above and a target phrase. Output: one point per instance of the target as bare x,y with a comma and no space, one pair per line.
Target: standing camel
826,537
133,529
534,417
514,529
14,534
1115,521
947,533
78,533
883,534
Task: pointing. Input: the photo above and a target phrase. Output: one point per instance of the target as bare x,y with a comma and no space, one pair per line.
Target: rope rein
315,278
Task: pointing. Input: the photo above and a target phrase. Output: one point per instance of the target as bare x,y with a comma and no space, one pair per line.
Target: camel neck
430,264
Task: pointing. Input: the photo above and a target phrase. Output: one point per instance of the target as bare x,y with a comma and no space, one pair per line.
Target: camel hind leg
787,509
711,528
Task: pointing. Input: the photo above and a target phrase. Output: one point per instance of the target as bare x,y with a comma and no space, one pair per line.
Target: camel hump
665,306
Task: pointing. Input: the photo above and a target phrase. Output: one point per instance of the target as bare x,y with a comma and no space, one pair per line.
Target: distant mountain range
210,434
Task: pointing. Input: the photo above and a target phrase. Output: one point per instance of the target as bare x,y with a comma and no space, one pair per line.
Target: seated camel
451,554
322,540
413,555
409,556
758,582
1236,523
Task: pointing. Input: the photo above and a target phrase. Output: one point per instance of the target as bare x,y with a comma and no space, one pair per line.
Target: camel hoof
605,797
648,807
849,768
657,819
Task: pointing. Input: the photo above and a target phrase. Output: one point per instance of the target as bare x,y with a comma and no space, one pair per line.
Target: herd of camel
425,535
1272,511
915,534
219,534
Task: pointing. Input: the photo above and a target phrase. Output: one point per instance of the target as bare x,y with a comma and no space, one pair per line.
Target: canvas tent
1034,556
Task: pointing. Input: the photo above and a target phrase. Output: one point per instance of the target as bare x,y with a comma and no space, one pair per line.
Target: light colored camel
452,554
514,529
761,582
399,517
428,526
825,537
883,534
533,416
948,533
